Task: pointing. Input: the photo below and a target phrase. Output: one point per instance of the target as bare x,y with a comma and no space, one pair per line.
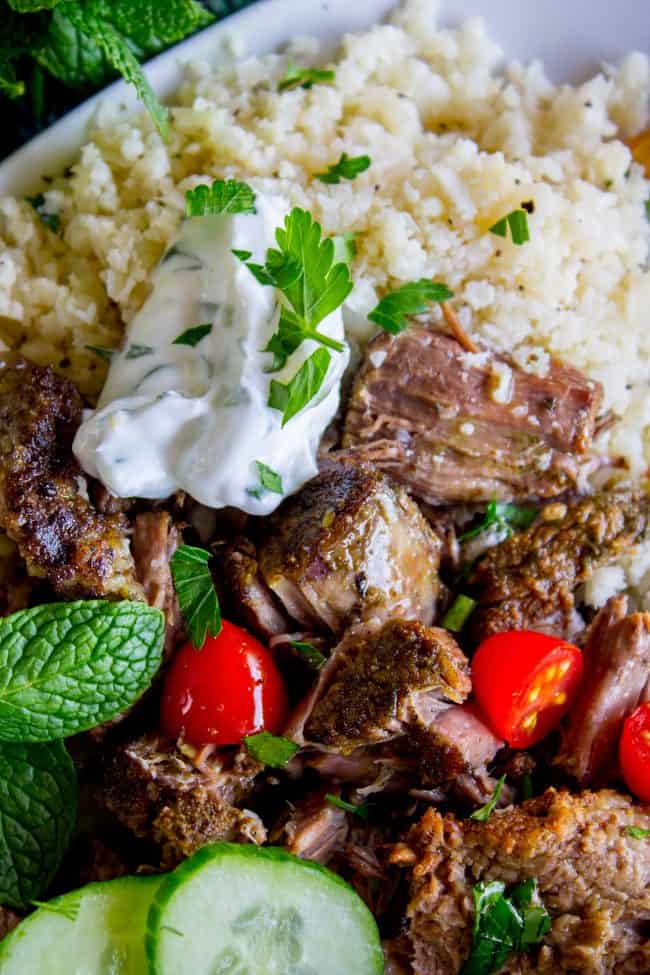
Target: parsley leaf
312,285
505,517
192,336
102,351
270,480
136,351
362,810
458,613
291,397
314,657
394,309
517,221
345,247
348,167
196,593
224,196
271,749
503,925
483,814
638,833
304,77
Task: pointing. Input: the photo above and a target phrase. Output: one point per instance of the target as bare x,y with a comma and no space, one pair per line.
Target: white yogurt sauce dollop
172,417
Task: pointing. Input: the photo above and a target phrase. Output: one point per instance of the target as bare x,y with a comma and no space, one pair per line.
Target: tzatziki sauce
176,417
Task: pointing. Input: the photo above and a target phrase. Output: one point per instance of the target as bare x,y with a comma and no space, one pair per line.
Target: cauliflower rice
456,139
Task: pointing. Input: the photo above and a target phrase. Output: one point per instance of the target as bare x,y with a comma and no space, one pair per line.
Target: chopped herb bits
517,223
348,167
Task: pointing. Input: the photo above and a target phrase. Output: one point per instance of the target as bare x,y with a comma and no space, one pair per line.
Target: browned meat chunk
350,546
529,581
16,586
404,674
592,875
454,426
8,921
155,539
252,602
44,506
157,792
458,746
617,672
314,830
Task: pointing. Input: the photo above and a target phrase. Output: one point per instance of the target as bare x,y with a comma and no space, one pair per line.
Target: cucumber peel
247,910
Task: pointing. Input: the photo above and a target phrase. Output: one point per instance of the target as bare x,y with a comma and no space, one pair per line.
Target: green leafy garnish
638,833
271,749
51,220
305,77
224,196
312,285
270,480
517,221
102,351
67,667
348,167
503,925
345,247
393,311
503,515
361,810
290,398
136,351
192,336
197,596
458,613
311,654
38,812
483,814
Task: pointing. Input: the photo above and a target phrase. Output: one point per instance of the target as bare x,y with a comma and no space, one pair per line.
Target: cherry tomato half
634,752
228,689
524,682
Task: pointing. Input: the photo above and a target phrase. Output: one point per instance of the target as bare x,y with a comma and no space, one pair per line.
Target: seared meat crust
528,581
158,793
385,681
155,539
350,546
44,506
593,877
251,600
431,416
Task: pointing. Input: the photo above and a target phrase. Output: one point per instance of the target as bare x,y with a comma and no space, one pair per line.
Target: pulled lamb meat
44,504
157,792
314,829
253,603
350,546
155,539
455,426
617,673
529,581
592,875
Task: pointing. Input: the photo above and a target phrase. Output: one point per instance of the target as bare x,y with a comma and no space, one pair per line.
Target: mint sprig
38,811
67,667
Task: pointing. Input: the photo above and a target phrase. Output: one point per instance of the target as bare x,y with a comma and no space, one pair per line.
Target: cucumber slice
247,910
96,930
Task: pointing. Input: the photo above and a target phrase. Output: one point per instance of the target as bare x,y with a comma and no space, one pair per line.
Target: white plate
571,36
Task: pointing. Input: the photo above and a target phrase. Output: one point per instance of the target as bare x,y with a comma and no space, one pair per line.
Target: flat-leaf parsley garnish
503,925
224,196
312,284
348,167
638,833
136,351
517,221
483,814
290,398
361,810
305,77
310,653
270,480
197,596
505,517
394,309
271,749
192,336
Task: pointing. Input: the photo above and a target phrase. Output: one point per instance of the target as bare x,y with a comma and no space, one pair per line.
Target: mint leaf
305,77
192,336
224,196
67,667
38,810
271,749
290,398
483,814
196,593
149,25
394,309
348,167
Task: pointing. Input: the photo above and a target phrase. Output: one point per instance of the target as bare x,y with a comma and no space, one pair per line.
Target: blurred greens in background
55,53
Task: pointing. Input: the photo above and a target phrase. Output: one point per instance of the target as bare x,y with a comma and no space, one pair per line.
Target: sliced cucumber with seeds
246,910
97,930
